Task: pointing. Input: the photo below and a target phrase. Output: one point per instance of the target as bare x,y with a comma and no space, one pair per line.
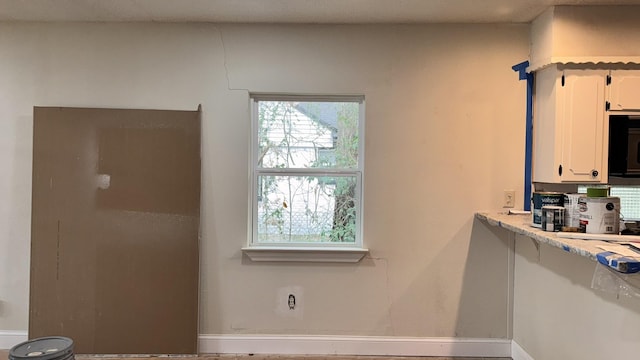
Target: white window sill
305,254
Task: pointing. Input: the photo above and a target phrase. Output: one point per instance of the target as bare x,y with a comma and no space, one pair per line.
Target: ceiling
287,11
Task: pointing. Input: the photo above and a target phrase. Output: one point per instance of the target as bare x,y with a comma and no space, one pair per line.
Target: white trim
9,339
346,172
305,254
511,268
518,353
338,345
259,96
586,61
352,345
256,171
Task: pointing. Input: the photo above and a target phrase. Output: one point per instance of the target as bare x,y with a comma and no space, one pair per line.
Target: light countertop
521,224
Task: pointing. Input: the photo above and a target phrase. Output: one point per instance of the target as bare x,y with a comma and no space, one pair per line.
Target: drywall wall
444,138
557,313
586,34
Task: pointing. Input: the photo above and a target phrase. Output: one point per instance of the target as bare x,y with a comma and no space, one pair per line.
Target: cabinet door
583,132
625,90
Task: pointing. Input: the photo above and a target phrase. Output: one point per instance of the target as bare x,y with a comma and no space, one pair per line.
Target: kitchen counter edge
521,224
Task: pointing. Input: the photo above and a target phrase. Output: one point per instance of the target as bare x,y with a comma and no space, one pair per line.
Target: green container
598,192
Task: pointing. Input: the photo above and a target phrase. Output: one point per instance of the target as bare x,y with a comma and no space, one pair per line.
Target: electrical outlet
290,302
509,199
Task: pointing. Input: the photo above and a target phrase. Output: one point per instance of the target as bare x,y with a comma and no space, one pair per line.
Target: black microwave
624,145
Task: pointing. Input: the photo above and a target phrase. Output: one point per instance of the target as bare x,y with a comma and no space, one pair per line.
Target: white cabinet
569,128
624,90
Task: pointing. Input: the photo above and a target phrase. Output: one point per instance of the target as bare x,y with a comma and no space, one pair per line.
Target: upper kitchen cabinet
624,89
569,134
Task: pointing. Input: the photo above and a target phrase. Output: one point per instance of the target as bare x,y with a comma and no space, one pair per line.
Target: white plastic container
599,215
572,210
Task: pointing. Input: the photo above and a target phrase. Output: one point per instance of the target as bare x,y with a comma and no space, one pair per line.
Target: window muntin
307,170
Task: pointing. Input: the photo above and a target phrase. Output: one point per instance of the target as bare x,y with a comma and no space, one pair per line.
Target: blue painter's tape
623,264
521,69
528,147
566,248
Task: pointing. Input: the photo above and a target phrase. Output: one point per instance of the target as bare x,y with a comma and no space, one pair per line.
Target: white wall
444,138
559,316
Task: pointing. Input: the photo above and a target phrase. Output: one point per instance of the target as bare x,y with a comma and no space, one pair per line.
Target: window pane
306,209
308,134
629,200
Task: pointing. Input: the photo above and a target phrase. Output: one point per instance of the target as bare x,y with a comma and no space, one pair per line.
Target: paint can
572,210
552,218
540,199
45,348
599,215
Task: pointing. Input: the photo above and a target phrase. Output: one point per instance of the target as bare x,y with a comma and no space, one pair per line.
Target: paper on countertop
602,237
519,212
620,249
633,246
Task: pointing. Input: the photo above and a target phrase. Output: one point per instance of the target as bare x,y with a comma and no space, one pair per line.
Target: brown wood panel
115,228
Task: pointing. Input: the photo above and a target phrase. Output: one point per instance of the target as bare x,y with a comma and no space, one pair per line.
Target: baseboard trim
353,345
9,339
338,345
518,353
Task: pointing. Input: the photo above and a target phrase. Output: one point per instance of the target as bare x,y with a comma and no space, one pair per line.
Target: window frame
322,250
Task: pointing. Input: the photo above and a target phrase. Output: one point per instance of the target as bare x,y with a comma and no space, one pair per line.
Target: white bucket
572,210
599,215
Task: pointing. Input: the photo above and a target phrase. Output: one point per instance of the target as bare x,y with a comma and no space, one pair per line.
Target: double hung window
306,188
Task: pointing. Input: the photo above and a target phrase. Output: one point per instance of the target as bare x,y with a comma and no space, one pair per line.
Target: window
307,160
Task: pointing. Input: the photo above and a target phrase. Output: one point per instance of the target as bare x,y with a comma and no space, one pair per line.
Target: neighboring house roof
306,132
324,113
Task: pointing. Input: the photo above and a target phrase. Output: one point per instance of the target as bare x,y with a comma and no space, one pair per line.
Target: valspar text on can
540,199
572,210
599,215
552,218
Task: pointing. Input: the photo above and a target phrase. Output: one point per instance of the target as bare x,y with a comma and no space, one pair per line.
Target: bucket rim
61,353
